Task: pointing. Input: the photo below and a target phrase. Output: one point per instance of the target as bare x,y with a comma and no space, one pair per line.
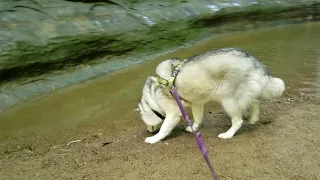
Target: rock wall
42,42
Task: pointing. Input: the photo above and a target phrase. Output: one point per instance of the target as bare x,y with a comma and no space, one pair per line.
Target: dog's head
151,113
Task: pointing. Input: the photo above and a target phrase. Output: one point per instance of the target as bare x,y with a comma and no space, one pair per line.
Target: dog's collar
170,82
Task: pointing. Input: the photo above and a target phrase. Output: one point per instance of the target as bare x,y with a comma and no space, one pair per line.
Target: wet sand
109,137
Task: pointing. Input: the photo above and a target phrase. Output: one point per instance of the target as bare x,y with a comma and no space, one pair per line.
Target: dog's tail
274,87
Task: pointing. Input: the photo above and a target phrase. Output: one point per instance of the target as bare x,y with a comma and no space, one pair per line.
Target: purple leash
197,135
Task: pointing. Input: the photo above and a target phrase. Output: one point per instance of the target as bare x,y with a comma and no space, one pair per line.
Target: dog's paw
225,135
151,140
253,120
195,128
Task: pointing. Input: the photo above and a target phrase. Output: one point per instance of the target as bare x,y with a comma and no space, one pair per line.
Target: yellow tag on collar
170,81
162,81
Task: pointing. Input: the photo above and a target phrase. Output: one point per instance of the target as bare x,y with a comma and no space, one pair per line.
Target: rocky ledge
45,44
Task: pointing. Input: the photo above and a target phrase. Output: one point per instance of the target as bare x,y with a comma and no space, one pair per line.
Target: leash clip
176,71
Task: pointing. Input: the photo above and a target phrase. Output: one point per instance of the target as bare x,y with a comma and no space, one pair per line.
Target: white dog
229,76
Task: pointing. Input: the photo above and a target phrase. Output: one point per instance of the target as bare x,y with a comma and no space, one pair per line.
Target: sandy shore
284,144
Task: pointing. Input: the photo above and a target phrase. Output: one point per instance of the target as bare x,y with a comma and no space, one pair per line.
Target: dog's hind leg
197,113
170,122
235,113
255,112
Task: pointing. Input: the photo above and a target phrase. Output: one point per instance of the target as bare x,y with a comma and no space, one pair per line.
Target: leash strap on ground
197,135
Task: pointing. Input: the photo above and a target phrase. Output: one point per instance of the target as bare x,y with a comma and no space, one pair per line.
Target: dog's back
221,74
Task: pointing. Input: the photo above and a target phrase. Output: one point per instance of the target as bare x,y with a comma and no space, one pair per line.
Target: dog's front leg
197,113
170,122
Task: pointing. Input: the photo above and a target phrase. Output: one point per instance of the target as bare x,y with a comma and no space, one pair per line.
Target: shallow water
105,105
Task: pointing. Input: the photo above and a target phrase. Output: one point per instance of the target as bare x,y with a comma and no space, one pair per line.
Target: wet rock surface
42,40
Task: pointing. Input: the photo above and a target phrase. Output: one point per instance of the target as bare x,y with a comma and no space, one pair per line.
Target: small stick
75,141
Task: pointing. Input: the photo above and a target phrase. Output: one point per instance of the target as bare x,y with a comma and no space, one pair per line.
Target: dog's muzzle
155,127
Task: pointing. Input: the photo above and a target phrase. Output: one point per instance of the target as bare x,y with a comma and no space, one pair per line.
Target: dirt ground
284,144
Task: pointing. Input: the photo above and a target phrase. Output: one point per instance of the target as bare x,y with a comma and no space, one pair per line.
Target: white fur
228,76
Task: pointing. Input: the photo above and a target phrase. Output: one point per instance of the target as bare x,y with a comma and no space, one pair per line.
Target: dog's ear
165,68
175,62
